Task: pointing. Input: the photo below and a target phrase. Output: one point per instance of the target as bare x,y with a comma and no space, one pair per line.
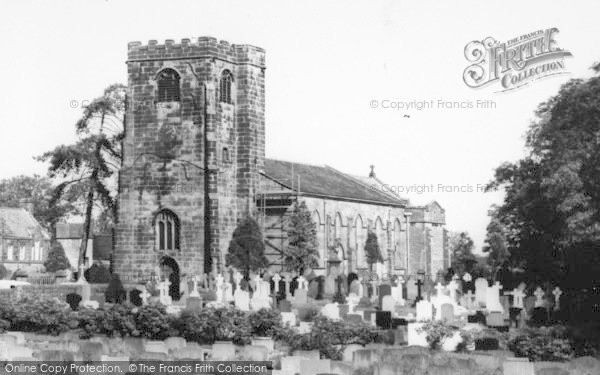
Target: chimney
27,205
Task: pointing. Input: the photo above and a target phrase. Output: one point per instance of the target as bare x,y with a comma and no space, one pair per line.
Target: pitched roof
69,230
19,223
326,181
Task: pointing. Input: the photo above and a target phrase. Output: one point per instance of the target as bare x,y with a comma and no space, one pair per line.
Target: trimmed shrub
153,322
97,274
57,259
215,324
115,293
118,320
436,332
542,344
43,316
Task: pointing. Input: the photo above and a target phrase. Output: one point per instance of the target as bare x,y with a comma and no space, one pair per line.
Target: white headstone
195,292
228,292
481,286
452,288
388,303
352,301
467,278
440,289
518,296
237,277
492,298
144,295
241,299
424,310
302,283
331,311
539,297
469,298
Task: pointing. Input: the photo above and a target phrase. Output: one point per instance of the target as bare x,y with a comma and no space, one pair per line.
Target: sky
328,64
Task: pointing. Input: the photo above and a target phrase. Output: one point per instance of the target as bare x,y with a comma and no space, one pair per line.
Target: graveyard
310,324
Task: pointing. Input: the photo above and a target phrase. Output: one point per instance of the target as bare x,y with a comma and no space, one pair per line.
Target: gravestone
447,314
388,303
383,319
241,299
481,287
495,319
193,303
300,296
313,289
329,287
411,290
285,306
424,310
557,293
539,297
382,291
492,298
331,311
355,287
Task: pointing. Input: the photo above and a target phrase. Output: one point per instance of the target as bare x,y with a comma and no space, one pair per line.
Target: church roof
19,223
326,181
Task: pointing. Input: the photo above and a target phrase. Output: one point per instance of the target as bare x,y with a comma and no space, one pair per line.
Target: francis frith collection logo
514,63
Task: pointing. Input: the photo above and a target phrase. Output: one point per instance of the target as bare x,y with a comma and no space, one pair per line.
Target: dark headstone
383,319
134,297
351,277
354,318
313,289
399,322
486,343
383,290
478,317
285,306
539,316
513,314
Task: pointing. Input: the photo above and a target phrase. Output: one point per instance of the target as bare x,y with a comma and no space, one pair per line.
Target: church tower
194,144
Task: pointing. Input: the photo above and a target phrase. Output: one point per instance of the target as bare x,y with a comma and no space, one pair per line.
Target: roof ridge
357,180
295,162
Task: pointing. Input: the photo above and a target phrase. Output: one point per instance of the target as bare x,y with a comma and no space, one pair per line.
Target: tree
36,190
247,249
461,248
551,209
372,252
88,167
495,242
57,259
301,252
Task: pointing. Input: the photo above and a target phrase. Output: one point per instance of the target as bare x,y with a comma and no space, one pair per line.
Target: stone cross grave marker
539,297
276,279
492,299
467,278
144,295
557,293
237,277
302,284
424,310
163,288
195,280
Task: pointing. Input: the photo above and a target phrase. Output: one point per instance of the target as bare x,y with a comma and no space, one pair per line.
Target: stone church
194,164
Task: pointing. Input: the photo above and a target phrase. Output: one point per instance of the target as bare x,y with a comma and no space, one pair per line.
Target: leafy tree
551,209
88,168
57,259
461,248
247,249
302,251
372,252
38,191
496,244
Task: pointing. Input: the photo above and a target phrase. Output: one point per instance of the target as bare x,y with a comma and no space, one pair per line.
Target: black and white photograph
263,187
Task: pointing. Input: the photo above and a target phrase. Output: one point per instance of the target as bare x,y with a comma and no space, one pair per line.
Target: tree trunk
87,221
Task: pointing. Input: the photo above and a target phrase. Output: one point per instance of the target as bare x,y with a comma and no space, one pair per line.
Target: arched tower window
166,228
168,86
225,87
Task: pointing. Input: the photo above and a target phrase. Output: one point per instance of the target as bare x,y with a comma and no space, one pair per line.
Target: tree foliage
38,191
301,252
372,251
461,248
87,169
247,249
57,259
551,210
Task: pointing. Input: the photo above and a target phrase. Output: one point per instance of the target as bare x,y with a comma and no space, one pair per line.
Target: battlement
202,47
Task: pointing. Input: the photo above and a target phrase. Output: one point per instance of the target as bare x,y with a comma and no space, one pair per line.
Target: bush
542,344
119,320
265,322
43,316
436,332
215,324
153,322
97,274
57,259
339,298
115,293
